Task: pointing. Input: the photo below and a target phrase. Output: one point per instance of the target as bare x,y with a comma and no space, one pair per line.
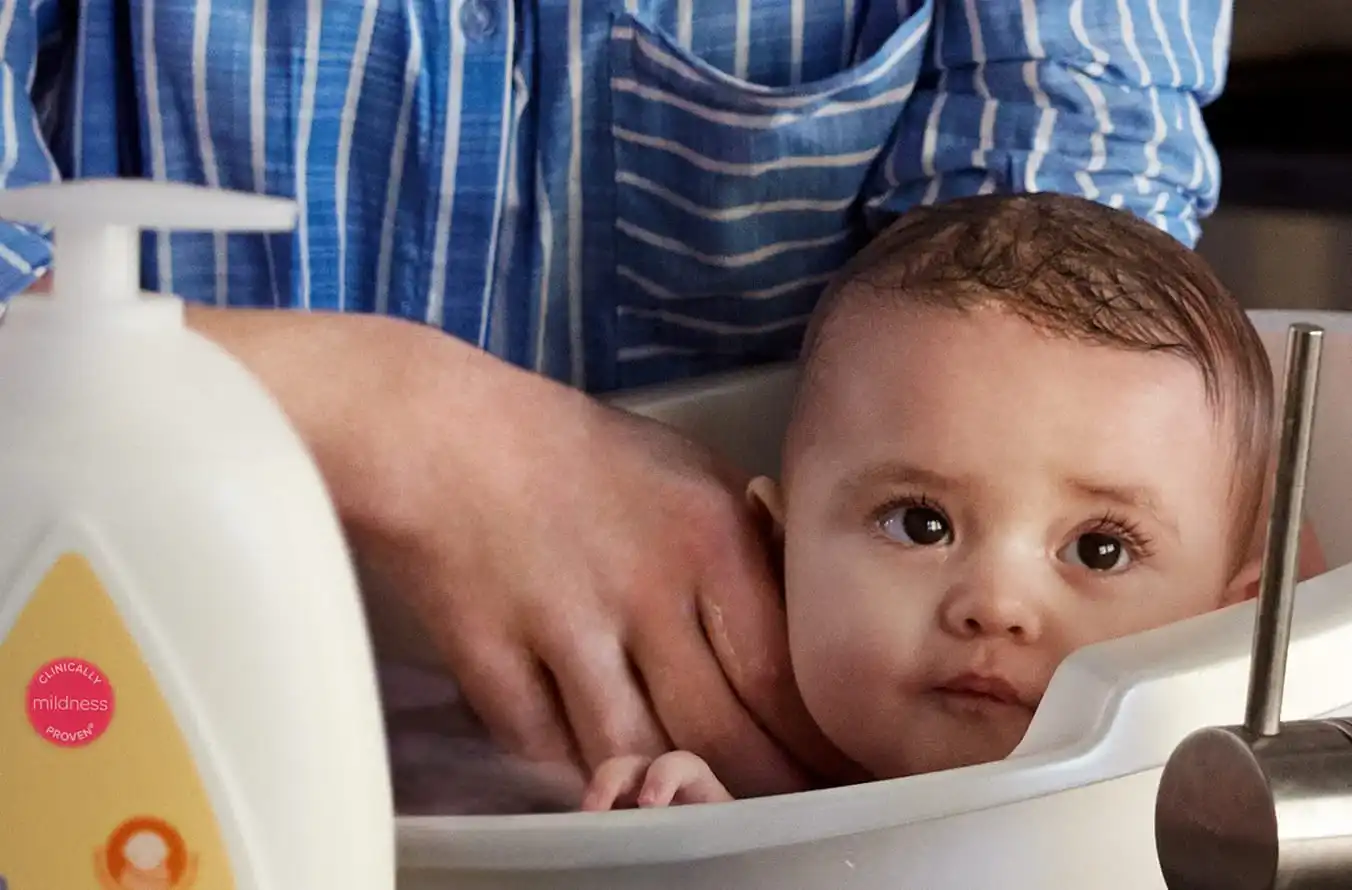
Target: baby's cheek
831,679
854,652
1160,600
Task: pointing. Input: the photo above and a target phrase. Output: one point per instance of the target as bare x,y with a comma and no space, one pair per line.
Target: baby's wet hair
1074,268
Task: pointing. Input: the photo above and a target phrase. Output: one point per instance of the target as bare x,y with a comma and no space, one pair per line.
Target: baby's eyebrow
894,472
1132,497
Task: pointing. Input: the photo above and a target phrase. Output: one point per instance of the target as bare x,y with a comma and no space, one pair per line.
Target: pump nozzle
97,224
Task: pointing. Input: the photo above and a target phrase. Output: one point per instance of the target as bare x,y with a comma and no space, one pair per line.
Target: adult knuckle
696,496
708,521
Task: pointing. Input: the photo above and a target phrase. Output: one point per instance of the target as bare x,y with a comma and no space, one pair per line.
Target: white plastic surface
97,224
153,452
1072,808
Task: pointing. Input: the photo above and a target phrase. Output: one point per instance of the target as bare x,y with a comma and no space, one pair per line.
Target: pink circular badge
70,702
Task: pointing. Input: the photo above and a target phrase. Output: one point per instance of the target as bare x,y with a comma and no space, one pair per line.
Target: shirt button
478,19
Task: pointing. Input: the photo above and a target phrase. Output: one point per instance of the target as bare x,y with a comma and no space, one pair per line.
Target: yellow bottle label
98,788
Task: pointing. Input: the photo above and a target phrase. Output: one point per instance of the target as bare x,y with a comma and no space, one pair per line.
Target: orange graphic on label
145,853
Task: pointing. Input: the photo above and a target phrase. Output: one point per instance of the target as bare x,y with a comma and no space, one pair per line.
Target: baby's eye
1097,552
918,525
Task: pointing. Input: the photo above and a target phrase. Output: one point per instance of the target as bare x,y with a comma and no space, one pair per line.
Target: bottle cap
97,223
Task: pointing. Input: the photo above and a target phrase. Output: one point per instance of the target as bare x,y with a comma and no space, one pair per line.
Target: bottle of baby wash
187,692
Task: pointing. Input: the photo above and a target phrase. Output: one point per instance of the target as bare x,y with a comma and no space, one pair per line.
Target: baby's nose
972,611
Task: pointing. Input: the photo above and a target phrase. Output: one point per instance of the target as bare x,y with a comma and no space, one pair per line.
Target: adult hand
596,583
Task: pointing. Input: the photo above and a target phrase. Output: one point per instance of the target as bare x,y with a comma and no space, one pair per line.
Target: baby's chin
937,742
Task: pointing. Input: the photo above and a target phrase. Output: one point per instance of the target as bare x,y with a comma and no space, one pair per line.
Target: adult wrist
485,428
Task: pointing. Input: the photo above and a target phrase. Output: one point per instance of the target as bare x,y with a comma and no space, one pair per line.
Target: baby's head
1024,425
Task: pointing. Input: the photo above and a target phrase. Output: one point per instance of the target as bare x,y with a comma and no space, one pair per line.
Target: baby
1024,425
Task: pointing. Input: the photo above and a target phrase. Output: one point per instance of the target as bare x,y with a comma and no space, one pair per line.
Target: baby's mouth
984,690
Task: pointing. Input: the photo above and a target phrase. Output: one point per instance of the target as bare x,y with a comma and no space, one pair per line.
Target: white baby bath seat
1072,808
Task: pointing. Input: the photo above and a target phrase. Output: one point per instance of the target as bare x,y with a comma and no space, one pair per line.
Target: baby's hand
677,777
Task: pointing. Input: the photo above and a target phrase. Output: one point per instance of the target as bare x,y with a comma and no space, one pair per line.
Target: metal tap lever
1266,805
1277,583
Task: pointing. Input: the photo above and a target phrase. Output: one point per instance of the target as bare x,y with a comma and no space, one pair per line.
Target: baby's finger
680,777
615,780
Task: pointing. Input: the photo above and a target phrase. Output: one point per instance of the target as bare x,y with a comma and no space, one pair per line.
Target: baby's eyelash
1130,532
910,501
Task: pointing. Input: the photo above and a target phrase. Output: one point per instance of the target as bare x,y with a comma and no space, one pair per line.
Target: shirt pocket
736,201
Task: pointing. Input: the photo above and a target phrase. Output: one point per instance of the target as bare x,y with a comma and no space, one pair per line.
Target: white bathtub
1071,809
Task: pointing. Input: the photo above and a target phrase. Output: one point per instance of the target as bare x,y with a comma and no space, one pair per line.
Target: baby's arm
677,777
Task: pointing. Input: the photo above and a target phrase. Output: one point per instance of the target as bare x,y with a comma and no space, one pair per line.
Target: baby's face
970,501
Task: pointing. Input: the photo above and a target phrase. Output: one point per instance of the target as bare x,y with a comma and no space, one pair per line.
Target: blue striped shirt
612,192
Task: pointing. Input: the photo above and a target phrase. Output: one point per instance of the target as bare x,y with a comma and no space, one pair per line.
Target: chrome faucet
1266,805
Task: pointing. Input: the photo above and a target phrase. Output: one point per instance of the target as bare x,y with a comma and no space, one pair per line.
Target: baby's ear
1244,586
1310,563
763,496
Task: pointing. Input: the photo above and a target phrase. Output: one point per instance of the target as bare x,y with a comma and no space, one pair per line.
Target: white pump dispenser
187,691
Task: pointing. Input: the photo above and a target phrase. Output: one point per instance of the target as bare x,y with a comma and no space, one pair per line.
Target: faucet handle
1277,583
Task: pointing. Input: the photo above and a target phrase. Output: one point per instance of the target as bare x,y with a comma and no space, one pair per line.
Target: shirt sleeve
24,157
1100,98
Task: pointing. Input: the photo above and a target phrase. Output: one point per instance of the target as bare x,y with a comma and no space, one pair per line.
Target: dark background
1283,234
